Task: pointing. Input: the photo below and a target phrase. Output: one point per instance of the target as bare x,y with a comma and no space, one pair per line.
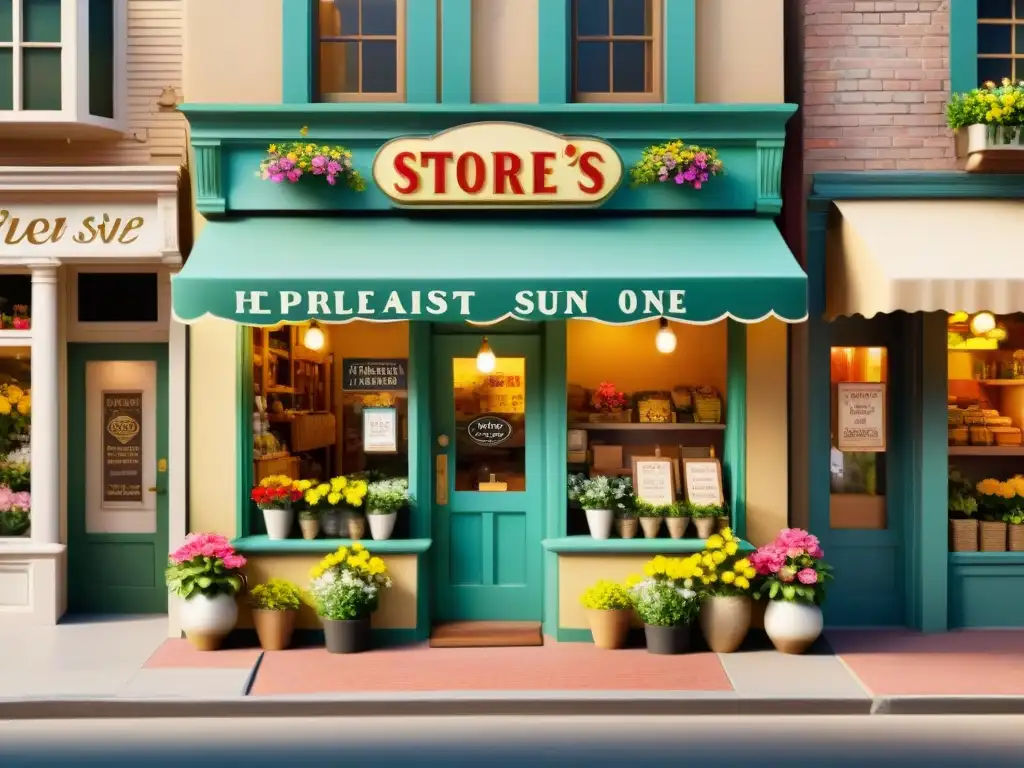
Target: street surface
764,742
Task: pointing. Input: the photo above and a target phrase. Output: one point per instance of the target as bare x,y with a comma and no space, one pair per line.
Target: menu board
365,374
380,430
653,480
702,479
861,416
122,446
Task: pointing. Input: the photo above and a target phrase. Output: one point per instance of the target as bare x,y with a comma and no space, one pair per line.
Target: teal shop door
489,495
117,478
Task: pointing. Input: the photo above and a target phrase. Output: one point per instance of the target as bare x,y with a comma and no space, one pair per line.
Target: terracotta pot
677,526
310,528
651,526
610,628
705,526
626,527
207,620
347,636
792,627
356,525
965,535
274,628
725,621
666,641
1016,537
993,536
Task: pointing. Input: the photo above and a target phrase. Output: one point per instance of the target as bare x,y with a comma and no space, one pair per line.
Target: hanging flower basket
293,161
677,162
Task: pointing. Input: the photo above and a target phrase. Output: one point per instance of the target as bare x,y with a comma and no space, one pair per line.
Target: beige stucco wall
578,572
740,51
505,35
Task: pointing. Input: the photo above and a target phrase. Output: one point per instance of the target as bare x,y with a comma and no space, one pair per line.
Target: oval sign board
123,428
489,430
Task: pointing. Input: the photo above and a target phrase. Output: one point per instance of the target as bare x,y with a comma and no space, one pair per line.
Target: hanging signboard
380,430
367,374
489,430
861,416
702,480
122,446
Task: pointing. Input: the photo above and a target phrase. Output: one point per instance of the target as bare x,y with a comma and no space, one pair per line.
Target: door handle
441,479
153,489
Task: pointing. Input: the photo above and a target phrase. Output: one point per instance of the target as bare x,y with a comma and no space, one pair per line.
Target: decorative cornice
907,185
95,178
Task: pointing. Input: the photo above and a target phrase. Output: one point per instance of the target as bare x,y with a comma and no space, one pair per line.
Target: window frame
963,45
656,64
400,39
1015,57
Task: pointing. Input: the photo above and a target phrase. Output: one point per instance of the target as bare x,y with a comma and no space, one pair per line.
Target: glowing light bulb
982,323
314,338
665,340
485,359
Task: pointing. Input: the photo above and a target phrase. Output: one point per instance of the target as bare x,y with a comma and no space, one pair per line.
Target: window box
62,65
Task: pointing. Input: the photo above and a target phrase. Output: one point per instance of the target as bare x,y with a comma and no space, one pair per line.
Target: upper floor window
1000,40
617,50
362,50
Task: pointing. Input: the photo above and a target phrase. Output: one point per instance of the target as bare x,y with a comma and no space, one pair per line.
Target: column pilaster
45,407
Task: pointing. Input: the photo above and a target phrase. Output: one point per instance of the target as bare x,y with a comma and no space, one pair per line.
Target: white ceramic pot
381,526
792,627
278,522
206,621
600,522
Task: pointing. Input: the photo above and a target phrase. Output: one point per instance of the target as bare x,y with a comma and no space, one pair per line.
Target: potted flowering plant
727,579
963,505
15,511
609,404
353,496
998,501
15,417
275,605
291,161
384,498
794,575
277,495
601,498
330,513
608,610
204,573
346,588
677,519
625,521
676,162
993,115
667,602
20,321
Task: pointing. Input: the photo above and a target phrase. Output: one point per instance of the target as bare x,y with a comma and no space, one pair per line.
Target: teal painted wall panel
456,51
297,25
680,51
421,51
986,596
963,45
554,57
734,463
555,447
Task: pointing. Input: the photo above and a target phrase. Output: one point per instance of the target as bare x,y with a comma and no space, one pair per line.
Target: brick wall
876,79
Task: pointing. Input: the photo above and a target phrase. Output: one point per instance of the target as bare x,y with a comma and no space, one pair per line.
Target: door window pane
630,67
6,78
490,424
15,444
380,17
592,18
40,78
40,21
6,21
380,66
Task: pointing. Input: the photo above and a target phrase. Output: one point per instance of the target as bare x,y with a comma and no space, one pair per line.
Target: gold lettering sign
99,228
122,446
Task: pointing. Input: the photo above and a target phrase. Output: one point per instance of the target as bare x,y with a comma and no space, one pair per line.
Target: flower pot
1016,538
993,536
666,641
278,522
347,636
382,526
651,526
609,628
725,621
982,137
274,628
626,527
600,523
355,524
705,526
310,528
330,524
792,627
677,526
207,620
965,535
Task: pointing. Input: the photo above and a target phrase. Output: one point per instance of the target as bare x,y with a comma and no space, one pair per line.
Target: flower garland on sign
678,163
291,161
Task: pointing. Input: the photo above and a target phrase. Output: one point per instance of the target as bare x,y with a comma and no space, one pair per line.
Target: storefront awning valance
924,256
698,270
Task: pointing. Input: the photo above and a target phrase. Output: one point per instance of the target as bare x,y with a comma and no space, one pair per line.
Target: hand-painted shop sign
82,230
489,430
365,374
497,165
122,446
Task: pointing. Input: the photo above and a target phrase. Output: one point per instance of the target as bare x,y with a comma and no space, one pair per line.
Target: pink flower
768,560
808,576
207,545
796,541
234,562
787,573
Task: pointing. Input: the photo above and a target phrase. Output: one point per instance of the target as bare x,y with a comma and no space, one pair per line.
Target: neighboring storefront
91,390
914,329
314,303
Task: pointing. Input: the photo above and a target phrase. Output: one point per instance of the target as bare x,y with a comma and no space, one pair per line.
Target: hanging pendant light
665,340
314,338
485,359
982,323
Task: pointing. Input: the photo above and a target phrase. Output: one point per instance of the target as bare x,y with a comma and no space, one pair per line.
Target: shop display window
15,440
859,436
15,302
135,295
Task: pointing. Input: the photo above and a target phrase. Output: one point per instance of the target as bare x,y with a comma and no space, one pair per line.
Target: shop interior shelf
1002,382
12,338
986,450
659,546
608,426
258,544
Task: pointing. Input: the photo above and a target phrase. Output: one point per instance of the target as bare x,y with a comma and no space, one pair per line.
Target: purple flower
701,159
318,163
332,179
293,175
679,179
691,174
285,164
670,162
277,178
333,167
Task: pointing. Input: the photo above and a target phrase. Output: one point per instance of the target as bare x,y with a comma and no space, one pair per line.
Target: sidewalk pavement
126,667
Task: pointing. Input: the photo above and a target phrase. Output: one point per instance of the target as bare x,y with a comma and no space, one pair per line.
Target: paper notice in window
861,416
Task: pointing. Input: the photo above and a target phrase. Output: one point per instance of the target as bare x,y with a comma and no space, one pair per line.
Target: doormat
486,634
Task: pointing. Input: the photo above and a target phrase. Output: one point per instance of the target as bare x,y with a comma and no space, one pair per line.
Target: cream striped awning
925,256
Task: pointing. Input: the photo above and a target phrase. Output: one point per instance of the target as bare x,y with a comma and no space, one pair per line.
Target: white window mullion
17,98
74,20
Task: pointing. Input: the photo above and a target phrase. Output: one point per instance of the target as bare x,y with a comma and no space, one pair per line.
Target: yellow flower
633,580
25,406
742,582
714,542
304,130
272,149
1007,491
726,533
310,149
312,498
334,499
707,561
303,485
357,547
718,556
741,565
728,577
293,157
14,394
698,572
988,487
749,573
731,548
323,489
377,566
338,484
5,406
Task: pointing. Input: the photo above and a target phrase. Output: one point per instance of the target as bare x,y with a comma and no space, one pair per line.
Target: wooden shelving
986,450
598,426
1002,382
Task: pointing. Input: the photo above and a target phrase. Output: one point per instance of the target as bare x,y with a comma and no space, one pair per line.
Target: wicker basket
993,536
1006,435
1015,536
959,436
982,436
964,535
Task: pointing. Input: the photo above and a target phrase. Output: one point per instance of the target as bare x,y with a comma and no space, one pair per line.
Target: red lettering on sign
405,170
471,173
440,160
592,172
541,171
507,167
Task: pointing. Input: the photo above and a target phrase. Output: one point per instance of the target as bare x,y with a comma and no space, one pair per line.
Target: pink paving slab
179,654
553,667
965,663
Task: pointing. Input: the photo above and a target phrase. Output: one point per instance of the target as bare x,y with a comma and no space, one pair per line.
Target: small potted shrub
332,516
353,496
992,114
601,498
667,602
625,522
963,506
705,518
345,588
15,511
995,500
677,519
650,516
205,574
608,611
276,496
727,580
793,575
384,498
275,605
292,161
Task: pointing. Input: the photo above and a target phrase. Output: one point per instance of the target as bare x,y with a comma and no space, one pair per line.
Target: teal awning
262,271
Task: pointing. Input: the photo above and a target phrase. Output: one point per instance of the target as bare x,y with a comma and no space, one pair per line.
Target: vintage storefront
907,305
91,388
567,271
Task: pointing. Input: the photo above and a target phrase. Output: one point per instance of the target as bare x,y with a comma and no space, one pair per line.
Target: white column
45,407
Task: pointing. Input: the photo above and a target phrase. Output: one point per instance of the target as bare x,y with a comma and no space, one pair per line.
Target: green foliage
605,596
676,509
661,603
386,496
15,476
202,576
276,595
600,492
14,522
344,602
645,509
990,104
700,511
